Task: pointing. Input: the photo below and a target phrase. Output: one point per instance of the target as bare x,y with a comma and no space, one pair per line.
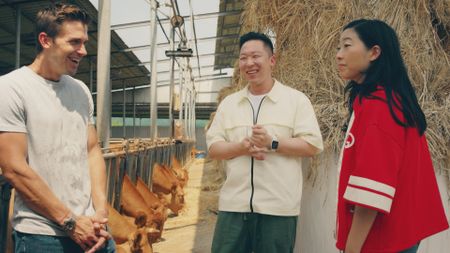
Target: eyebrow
346,38
250,52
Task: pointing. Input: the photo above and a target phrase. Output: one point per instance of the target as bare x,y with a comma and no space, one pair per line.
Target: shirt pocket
237,129
279,124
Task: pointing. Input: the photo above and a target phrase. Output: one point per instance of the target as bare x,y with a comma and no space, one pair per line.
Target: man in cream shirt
262,132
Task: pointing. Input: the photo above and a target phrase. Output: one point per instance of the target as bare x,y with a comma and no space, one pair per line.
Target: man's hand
245,145
260,137
99,220
258,153
84,233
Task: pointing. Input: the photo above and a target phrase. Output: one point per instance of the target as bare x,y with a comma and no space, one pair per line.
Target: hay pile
306,34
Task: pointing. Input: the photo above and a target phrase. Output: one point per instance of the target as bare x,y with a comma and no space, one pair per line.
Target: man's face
256,62
66,50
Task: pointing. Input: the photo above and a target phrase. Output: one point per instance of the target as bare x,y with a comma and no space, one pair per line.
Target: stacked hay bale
306,33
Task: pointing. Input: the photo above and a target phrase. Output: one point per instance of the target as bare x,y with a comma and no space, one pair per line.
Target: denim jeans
413,249
30,243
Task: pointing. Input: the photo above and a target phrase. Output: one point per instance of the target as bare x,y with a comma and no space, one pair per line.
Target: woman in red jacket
388,198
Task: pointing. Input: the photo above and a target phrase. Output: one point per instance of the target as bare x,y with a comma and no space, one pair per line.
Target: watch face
274,145
69,224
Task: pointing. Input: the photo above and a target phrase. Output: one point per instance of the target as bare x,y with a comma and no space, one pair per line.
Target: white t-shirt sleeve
12,112
91,110
91,102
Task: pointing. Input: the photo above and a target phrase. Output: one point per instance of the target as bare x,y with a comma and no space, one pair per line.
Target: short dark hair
256,36
50,19
388,71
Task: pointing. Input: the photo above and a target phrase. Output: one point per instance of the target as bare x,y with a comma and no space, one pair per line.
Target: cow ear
135,241
141,220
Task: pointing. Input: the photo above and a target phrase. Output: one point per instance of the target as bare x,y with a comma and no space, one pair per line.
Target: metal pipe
167,20
191,110
124,130
185,101
134,112
153,83
194,133
91,75
180,86
18,32
172,84
189,114
103,74
195,38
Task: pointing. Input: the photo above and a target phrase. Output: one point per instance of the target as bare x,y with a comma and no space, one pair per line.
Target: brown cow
138,245
151,199
129,237
180,172
163,180
132,204
167,186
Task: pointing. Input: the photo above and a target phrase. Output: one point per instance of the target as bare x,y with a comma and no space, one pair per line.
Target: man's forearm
223,150
296,146
33,190
97,170
36,193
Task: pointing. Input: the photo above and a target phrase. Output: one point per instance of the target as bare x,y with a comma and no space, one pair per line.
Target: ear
272,60
45,40
375,52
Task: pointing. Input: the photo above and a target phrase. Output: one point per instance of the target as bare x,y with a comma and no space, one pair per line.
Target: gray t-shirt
55,116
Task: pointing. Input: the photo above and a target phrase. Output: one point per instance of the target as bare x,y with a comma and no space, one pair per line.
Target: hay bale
306,34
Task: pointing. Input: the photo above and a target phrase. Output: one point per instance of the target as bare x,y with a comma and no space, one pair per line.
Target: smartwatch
69,224
274,144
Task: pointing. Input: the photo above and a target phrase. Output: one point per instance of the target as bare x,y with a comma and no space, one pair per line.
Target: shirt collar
274,94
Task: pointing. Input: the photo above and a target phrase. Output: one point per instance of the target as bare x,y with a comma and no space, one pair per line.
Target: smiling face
64,52
256,63
353,57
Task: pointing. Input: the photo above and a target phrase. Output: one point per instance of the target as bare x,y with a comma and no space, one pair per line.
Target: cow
138,245
180,172
167,186
133,204
151,199
128,237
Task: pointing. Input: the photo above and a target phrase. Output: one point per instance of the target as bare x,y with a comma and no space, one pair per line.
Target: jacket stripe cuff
368,198
372,185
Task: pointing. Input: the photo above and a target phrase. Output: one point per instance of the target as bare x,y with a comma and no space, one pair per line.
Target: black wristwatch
274,144
69,224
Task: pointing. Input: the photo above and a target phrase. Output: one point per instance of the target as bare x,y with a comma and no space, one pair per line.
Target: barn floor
192,229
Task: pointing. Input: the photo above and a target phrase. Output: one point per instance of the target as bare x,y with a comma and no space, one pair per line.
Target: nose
249,62
339,54
82,51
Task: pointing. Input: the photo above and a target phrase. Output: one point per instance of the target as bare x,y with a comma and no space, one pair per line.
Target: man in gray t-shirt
48,143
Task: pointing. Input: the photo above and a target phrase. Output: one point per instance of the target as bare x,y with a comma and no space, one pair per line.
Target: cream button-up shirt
277,180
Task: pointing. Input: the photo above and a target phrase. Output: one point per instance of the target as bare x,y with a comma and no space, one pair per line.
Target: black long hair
388,71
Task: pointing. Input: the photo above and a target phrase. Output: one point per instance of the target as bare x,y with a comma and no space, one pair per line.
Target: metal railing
136,158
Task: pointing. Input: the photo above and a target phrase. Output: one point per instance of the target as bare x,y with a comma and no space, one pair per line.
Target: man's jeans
29,243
